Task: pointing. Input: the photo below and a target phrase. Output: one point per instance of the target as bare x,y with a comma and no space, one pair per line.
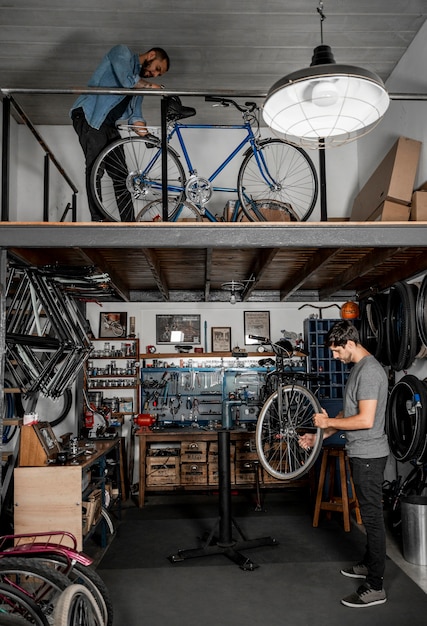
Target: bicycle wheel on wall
286,415
277,183
127,176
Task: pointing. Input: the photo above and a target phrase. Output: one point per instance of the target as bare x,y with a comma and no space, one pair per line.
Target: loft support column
46,189
322,177
164,142
5,166
224,478
3,265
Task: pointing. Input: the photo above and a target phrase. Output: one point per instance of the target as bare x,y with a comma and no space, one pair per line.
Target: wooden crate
194,474
246,450
213,475
162,470
194,451
246,471
213,452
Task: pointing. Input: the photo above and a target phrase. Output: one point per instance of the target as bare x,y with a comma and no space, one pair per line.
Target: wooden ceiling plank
318,258
262,262
413,267
360,268
208,273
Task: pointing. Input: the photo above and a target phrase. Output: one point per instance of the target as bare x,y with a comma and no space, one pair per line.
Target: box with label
246,450
213,474
246,472
393,180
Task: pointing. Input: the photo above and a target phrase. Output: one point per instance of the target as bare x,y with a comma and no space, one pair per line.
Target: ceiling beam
154,265
318,258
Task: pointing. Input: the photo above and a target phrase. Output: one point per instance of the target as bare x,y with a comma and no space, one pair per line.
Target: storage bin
414,529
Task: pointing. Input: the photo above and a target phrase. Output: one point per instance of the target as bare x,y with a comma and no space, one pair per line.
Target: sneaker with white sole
355,571
365,596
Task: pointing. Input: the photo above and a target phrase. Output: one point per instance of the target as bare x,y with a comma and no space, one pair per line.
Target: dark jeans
368,477
93,141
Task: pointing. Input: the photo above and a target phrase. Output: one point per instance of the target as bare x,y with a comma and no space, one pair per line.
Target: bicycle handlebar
248,107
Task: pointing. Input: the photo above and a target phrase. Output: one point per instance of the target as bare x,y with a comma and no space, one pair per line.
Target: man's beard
143,68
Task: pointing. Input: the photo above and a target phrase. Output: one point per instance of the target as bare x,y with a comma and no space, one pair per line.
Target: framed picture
113,324
178,328
221,339
47,438
256,323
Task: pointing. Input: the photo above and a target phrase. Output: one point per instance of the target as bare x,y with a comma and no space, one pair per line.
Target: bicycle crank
198,190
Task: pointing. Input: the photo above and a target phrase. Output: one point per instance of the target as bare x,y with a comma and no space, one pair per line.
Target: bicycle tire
40,582
372,326
421,311
136,164
406,419
402,338
77,607
153,212
83,575
56,408
287,414
14,603
293,187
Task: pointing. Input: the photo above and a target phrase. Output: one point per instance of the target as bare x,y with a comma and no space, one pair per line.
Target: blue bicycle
276,181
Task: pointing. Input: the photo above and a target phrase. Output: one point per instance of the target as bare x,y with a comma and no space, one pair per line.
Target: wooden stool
331,502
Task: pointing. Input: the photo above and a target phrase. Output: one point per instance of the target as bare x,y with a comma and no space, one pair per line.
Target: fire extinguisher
89,419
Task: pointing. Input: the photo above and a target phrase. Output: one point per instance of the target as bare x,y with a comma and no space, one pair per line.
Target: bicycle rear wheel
127,176
277,183
153,212
286,415
17,608
76,607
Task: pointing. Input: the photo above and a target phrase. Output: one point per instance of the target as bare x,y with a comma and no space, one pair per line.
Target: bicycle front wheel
127,176
277,183
286,415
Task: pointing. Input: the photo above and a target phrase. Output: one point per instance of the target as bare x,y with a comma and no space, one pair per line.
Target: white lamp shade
331,103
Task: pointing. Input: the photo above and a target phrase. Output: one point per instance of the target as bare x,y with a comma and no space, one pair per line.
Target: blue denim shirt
119,68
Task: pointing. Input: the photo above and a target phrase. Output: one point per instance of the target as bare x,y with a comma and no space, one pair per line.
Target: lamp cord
322,18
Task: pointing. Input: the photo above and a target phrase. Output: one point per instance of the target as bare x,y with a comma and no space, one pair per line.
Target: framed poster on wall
113,324
256,323
178,328
221,339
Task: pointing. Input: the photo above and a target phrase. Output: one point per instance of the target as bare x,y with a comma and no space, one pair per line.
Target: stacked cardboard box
387,194
419,204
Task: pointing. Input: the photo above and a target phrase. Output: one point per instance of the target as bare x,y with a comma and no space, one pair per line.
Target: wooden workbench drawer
246,471
213,452
194,451
162,470
194,474
246,450
213,475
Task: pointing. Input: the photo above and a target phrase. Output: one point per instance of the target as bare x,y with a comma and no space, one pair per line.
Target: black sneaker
365,596
355,571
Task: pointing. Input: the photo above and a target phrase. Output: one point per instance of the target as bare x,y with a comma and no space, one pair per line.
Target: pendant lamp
326,104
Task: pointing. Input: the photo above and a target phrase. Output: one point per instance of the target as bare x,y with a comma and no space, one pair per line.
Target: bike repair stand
225,544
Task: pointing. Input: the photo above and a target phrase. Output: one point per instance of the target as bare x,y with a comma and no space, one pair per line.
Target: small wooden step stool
328,501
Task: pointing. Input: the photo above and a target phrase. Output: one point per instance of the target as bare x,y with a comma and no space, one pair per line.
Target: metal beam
219,235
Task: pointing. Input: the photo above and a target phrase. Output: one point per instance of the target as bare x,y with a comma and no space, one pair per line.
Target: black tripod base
232,552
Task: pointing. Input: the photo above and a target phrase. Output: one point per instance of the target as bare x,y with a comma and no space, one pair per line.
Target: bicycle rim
127,176
286,415
277,183
153,212
76,607
14,602
406,420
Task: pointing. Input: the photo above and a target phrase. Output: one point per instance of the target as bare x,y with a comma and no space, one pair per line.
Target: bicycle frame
248,139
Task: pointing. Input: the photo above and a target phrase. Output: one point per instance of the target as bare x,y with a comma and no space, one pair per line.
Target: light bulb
324,93
233,298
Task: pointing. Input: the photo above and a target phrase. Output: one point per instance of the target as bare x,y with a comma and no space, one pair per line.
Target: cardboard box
419,207
390,212
393,180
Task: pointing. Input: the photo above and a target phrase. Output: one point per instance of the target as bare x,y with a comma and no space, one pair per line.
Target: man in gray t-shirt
363,420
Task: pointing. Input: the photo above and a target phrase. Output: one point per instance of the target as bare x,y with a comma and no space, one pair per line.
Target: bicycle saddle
176,110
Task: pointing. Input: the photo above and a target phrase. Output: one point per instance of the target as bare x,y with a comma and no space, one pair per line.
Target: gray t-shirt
367,381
